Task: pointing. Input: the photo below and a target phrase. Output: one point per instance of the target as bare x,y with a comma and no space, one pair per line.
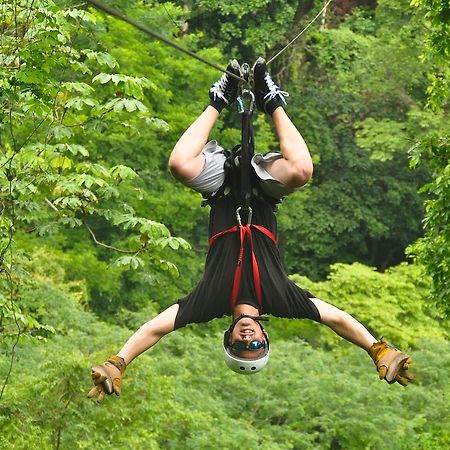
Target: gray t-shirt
213,174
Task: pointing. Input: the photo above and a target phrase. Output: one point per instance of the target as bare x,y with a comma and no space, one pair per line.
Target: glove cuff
380,348
117,362
377,349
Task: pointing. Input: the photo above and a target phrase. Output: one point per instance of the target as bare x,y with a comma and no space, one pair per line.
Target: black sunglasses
253,346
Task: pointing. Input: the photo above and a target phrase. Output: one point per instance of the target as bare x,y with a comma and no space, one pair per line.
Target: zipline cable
301,32
113,12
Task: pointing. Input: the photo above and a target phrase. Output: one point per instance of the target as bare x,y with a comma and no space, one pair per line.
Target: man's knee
175,167
303,173
300,172
185,169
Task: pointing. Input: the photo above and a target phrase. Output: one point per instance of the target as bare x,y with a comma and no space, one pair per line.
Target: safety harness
245,232
243,194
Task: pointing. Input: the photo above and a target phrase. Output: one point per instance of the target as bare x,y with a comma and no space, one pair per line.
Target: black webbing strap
247,152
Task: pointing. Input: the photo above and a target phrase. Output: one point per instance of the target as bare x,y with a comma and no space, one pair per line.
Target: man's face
247,330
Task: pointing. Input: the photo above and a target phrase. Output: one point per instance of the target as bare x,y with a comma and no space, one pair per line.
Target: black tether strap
247,152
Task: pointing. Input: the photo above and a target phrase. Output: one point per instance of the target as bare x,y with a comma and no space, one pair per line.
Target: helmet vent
253,368
242,368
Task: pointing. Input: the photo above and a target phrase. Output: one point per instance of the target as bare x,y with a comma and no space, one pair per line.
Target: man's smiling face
247,330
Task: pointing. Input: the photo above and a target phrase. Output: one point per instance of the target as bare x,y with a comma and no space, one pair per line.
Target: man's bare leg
295,168
186,160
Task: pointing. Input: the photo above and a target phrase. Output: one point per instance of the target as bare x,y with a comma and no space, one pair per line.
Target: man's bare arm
186,160
149,334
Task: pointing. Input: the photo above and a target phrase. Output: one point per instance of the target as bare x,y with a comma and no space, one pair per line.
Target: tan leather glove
392,364
107,378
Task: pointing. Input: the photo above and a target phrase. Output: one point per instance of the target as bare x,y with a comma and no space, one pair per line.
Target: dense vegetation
96,237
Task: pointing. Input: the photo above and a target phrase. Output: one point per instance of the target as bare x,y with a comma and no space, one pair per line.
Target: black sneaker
268,95
225,90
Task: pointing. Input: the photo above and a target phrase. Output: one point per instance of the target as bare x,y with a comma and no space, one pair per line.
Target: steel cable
113,12
301,32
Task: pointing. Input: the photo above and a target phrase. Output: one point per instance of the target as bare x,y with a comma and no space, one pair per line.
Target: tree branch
110,247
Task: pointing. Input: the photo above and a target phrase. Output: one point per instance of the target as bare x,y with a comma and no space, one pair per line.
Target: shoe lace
219,87
274,90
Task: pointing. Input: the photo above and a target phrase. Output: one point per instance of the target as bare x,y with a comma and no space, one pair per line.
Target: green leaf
77,149
174,244
82,88
116,78
157,123
72,222
121,172
82,14
79,103
133,262
61,132
61,162
102,78
102,58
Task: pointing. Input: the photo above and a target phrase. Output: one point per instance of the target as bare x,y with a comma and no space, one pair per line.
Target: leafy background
96,237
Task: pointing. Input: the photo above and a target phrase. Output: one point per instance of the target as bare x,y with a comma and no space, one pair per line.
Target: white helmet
245,366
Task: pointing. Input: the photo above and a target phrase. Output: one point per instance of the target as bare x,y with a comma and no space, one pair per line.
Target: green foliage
437,49
53,169
433,249
381,138
58,94
358,98
89,110
308,398
242,28
391,304
433,150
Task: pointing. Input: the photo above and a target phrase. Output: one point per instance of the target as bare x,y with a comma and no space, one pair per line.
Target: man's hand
107,378
392,364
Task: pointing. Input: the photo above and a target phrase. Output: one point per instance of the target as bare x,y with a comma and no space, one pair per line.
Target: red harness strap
245,231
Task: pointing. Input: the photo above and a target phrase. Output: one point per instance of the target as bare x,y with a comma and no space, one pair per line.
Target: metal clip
245,69
246,105
249,218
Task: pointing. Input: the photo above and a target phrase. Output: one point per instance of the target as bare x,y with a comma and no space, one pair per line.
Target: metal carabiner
241,101
249,218
245,70
246,105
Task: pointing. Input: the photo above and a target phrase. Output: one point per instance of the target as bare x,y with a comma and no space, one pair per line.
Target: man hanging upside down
244,276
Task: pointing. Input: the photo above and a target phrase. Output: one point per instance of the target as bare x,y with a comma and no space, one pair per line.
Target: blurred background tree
89,111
